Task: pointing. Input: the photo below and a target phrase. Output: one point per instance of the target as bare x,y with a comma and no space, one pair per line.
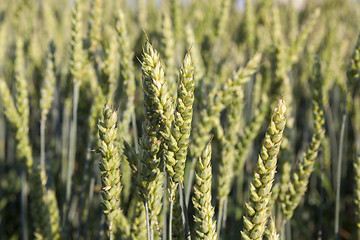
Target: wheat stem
338,177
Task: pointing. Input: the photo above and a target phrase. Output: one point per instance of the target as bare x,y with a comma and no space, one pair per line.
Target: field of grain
197,119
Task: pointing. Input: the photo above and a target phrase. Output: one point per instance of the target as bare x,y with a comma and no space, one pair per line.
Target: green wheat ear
298,185
357,182
158,113
260,190
270,232
181,127
357,190
205,225
153,76
353,69
78,55
138,226
110,168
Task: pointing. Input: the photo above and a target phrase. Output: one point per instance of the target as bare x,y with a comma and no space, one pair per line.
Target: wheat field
197,119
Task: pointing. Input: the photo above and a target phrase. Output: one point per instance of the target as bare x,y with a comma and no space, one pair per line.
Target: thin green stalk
220,216
42,144
190,180
90,201
149,237
165,209
72,152
84,186
24,207
322,197
65,136
338,177
225,213
288,231
178,229
171,212
185,212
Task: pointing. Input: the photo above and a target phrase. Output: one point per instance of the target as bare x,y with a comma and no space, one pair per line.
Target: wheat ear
270,232
157,111
178,138
110,168
205,225
301,177
260,190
